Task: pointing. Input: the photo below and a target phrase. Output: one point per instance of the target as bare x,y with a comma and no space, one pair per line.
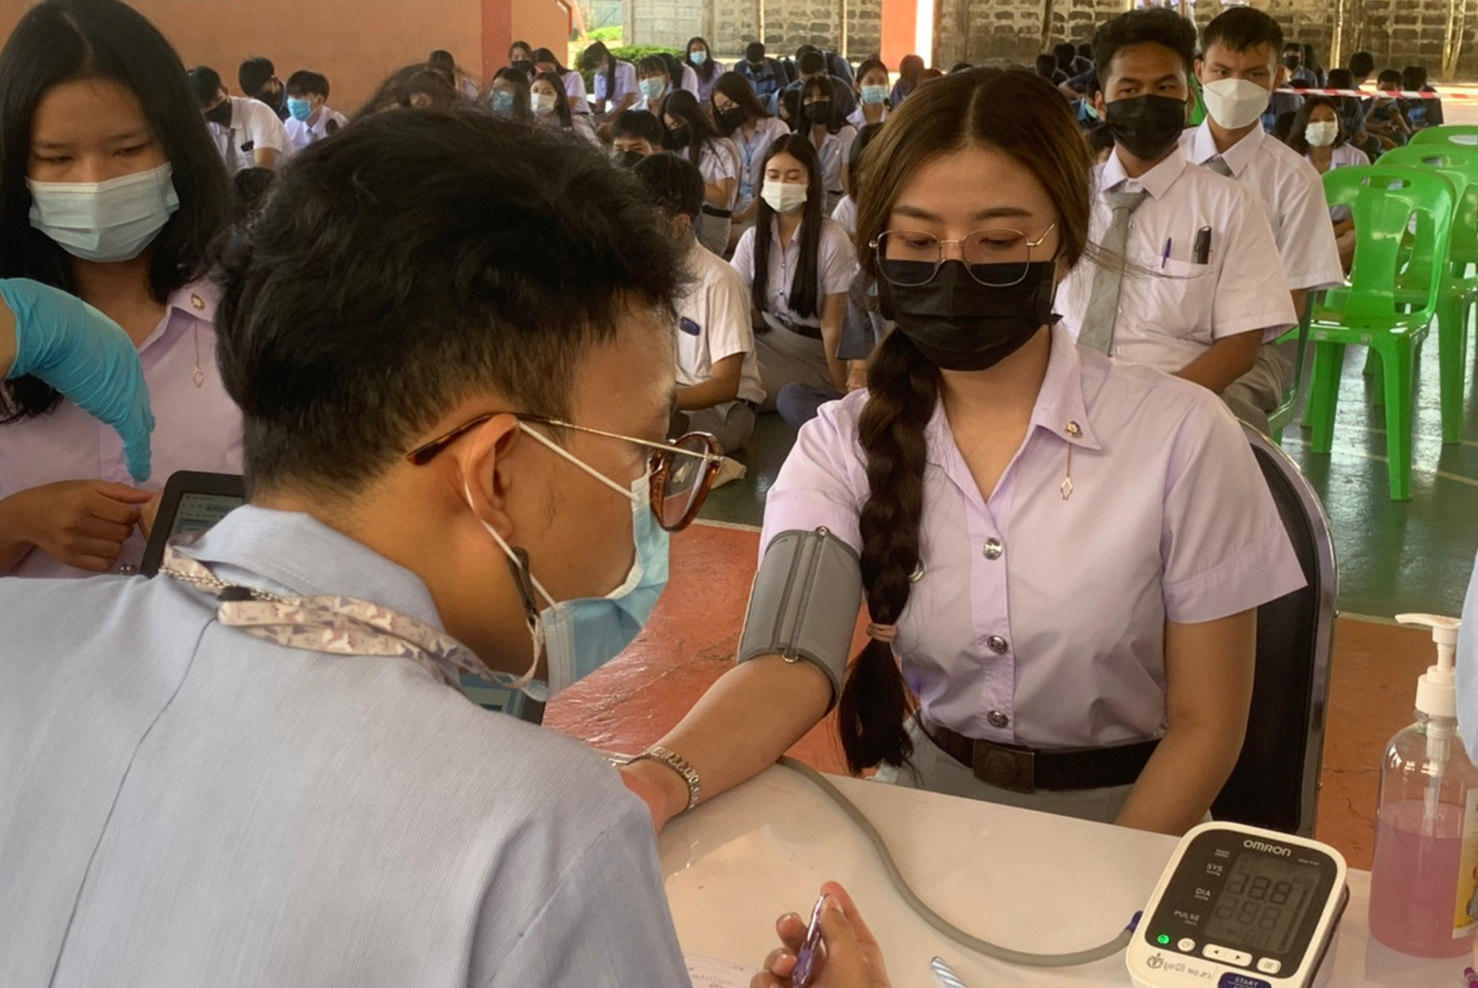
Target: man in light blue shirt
255,769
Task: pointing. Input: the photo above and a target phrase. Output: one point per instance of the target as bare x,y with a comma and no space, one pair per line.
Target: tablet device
192,502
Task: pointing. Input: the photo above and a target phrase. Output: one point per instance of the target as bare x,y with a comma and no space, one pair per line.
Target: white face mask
1235,103
544,104
1322,135
105,221
784,197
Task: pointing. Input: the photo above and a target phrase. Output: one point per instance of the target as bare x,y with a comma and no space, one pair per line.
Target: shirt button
197,301
997,719
993,548
997,644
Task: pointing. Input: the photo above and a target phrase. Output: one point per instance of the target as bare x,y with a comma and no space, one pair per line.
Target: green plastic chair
1381,308
1281,417
1460,289
1458,135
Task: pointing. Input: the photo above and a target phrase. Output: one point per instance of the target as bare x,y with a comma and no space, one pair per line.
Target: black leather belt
722,214
809,332
1029,770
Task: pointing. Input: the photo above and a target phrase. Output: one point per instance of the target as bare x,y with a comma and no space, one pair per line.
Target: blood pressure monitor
1240,907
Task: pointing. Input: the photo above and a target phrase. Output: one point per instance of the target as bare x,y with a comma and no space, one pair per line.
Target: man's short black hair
1414,76
1154,25
640,125
803,50
1340,79
811,63
755,52
205,83
1388,75
254,74
305,83
1064,52
417,260
1241,29
1362,64
673,183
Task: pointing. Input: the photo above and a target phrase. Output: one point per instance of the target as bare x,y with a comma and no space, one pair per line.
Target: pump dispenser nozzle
1436,692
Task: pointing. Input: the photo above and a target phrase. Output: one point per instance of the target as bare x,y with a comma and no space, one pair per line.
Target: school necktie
1219,165
1097,332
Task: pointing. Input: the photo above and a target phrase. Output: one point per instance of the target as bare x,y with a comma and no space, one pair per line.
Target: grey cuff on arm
803,605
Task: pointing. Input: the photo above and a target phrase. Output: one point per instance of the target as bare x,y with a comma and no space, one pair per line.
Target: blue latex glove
73,347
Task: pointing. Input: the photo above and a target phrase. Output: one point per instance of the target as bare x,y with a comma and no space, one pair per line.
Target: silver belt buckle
1012,769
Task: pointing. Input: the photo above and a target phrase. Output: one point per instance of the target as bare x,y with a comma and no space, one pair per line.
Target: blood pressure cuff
803,605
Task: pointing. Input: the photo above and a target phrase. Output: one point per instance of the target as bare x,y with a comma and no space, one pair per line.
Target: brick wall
1398,32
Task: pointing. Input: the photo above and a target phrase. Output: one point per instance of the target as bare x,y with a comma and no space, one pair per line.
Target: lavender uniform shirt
197,427
1040,620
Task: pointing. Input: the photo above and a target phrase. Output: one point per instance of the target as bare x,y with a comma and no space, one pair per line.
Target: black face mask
678,137
1291,61
731,119
961,325
1146,125
818,113
628,159
527,68
221,115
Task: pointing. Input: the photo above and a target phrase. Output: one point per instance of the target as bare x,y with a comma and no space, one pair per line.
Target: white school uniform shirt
846,215
575,88
253,125
690,79
1293,194
856,119
834,151
705,88
302,133
713,323
719,160
752,149
1015,632
834,273
625,83
1169,315
1344,156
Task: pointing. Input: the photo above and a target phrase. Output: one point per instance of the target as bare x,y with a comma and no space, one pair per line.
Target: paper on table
710,972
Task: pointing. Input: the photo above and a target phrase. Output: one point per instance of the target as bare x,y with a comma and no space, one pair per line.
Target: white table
1028,880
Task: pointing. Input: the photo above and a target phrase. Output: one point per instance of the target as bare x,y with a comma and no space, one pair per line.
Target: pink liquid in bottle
1414,883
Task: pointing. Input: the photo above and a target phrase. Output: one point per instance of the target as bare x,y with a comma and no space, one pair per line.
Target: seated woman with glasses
798,265
1060,557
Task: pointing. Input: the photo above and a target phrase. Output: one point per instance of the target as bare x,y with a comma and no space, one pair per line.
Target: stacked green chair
1383,308
1460,289
1457,135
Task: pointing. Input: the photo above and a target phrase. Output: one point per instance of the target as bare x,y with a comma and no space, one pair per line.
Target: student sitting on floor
310,118
718,375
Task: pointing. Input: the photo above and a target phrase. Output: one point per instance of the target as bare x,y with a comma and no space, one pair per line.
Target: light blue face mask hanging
579,636
105,221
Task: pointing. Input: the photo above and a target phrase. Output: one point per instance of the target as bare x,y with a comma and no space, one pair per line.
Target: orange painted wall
542,23
356,43
900,30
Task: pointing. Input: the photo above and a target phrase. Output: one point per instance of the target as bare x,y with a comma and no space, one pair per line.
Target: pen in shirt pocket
1202,252
1165,254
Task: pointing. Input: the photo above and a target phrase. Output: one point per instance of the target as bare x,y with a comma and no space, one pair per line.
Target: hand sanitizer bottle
1424,885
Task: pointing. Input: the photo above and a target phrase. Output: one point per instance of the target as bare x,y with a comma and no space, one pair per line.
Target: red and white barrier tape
1367,93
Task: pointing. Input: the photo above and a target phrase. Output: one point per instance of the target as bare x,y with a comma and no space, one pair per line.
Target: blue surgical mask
653,87
502,101
105,221
579,636
874,94
300,109
698,57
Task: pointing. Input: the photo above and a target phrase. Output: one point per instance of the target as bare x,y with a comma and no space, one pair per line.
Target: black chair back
1276,782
